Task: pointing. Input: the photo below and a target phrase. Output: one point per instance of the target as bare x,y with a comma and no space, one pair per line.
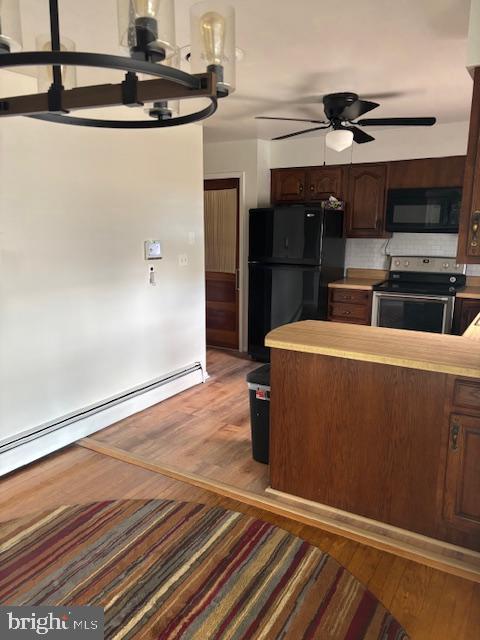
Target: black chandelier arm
168,84
98,60
129,124
55,40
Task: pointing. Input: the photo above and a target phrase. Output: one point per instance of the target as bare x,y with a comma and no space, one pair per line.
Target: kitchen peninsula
381,423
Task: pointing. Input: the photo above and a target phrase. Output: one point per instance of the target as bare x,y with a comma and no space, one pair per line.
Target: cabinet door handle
454,436
475,228
300,188
312,188
347,313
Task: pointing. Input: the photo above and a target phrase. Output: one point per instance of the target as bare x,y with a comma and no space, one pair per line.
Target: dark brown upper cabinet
323,182
311,184
365,201
289,185
426,173
469,234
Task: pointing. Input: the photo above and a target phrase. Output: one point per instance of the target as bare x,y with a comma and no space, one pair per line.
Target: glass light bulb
212,25
147,8
45,72
339,139
48,47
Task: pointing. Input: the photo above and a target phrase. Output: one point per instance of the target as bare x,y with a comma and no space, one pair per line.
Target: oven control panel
426,265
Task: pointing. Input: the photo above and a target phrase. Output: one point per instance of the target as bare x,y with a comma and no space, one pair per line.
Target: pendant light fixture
147,31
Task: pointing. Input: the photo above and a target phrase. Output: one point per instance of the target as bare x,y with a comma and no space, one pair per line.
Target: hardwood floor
204,431
430,604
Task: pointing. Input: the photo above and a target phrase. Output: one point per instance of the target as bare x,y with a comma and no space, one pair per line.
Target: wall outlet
191,237
183,260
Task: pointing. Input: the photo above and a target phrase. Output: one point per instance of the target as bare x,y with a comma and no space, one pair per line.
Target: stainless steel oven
419,294
413,311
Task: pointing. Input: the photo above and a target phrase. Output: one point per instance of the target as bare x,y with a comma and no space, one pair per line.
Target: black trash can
259,392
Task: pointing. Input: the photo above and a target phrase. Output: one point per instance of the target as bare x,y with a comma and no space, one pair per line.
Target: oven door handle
412,296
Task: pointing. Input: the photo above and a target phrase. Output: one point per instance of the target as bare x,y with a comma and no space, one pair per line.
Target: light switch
153,250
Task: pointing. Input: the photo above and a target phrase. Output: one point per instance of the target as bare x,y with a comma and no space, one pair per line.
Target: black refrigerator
294,252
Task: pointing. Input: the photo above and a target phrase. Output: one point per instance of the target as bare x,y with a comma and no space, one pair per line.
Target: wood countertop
469,292
355,283
455,355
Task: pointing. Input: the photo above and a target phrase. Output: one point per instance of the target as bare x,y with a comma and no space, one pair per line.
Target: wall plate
153,250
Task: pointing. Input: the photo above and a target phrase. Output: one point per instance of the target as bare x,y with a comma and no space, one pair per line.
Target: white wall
473,50
249,160
390,144
79,321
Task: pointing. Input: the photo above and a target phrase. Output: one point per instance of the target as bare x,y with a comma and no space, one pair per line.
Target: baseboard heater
35,443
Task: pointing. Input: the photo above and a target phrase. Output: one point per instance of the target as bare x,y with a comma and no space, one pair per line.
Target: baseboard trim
34,446
460,562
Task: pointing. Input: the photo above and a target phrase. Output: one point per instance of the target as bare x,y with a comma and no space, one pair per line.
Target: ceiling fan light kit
339,139
147,29
342,111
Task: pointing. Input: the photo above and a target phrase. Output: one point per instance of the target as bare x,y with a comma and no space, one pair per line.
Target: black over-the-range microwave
424,210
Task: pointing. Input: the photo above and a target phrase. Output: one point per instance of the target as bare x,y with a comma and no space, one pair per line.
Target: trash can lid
260,376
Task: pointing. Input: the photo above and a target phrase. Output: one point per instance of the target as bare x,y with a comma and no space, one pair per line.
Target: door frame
242,253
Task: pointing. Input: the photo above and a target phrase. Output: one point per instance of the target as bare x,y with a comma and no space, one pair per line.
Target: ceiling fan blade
385,95
358,108
299,133
397,122
290,119
359,136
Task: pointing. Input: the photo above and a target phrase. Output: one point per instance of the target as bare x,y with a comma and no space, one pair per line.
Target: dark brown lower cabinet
466,310
462,481
352,306
394,444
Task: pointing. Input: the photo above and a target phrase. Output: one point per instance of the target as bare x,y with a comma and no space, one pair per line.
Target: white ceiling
297,50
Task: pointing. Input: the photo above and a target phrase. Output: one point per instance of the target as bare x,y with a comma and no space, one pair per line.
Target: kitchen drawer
353,296
467,394
350,312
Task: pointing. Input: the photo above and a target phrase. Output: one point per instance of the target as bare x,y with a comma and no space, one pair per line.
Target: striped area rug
175,570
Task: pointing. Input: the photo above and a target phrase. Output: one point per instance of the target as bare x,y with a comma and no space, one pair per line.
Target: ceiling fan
342,111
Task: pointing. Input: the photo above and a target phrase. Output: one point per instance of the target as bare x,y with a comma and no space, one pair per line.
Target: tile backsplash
370,253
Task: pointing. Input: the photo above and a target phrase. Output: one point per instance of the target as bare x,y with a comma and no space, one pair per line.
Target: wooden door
469,232
324,182
288,185
365,217
462,486
221,262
